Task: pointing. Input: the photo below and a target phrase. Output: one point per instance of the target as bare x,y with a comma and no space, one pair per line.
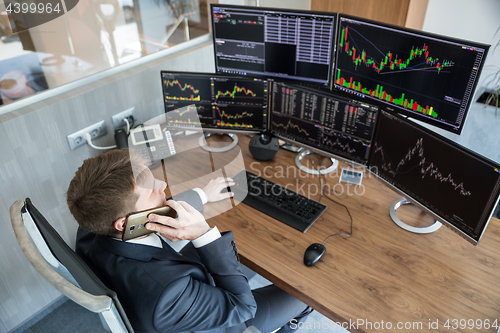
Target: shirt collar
151,240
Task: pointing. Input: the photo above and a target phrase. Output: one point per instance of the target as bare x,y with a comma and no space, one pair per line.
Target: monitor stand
204,146
396,219
292,148
301,155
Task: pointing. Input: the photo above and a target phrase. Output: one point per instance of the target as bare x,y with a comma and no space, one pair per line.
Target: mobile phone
135,223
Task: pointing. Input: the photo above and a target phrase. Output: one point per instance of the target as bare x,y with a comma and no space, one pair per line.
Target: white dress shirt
207,238
154,240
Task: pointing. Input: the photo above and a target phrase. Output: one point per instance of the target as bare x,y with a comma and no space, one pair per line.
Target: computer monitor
327,122
274,43
429,77
222,103
453,184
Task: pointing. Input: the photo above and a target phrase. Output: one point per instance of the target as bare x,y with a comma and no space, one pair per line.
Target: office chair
63,268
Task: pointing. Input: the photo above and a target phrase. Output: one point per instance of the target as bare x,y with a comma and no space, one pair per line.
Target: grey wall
470,20
36,162
478,21
480,133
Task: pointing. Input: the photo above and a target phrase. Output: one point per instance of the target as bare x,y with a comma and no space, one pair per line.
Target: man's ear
120,224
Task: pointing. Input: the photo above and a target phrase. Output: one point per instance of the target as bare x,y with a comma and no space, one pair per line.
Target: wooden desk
382,274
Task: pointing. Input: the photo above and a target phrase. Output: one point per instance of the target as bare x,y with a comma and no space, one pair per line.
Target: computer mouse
313,253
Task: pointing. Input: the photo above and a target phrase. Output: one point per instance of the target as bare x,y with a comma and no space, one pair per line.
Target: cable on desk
339,234
321,186
322,191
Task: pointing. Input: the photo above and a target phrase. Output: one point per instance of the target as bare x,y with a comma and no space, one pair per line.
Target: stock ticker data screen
323,120
219,102
274,43
428,77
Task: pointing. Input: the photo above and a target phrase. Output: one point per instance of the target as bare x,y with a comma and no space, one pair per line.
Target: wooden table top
382,275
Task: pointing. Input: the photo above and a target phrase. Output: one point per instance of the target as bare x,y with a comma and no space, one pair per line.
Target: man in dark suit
201,289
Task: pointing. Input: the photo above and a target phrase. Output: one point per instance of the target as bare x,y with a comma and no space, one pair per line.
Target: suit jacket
164,291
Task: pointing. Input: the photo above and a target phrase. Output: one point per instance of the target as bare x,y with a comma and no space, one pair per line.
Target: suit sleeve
188,304
191,197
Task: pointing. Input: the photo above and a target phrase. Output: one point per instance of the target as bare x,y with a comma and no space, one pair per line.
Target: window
92,36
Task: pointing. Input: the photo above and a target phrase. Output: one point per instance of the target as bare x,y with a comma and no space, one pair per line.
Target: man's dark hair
103,191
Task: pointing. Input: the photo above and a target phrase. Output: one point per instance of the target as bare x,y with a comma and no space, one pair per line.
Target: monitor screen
323,120
222,103
458,186
431,78
274,43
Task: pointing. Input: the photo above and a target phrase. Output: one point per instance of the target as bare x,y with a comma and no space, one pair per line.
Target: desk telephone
150,141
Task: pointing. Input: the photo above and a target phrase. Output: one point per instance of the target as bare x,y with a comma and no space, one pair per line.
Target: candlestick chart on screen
238,116
185,90
187,100
191,114
215,101
414,73
247,92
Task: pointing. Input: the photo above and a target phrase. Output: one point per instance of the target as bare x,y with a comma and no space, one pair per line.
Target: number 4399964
40,8
470,324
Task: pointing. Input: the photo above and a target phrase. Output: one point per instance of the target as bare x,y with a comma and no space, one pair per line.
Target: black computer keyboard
274,200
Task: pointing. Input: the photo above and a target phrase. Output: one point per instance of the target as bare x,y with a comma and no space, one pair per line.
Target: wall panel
388,11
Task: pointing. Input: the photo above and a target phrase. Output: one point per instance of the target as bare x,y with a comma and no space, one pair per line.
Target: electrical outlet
97,130
118,118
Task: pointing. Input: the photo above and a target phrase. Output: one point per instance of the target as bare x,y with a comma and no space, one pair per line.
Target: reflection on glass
91,37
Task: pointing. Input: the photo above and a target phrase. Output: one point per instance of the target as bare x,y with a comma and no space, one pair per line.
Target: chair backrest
62,267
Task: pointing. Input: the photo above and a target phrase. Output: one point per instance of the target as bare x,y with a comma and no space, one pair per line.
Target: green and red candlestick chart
390,63
380,93
395,64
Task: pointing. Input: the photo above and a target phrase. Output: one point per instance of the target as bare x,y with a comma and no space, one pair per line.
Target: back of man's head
102,191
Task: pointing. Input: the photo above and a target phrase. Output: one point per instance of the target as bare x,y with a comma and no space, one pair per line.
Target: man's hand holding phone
189,224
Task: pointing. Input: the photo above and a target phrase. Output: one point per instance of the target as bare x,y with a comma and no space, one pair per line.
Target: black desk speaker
263,147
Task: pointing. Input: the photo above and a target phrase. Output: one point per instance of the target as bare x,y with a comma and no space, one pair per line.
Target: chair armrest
90,302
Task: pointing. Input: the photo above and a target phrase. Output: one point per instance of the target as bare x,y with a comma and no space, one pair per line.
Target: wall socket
97,130
118,118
